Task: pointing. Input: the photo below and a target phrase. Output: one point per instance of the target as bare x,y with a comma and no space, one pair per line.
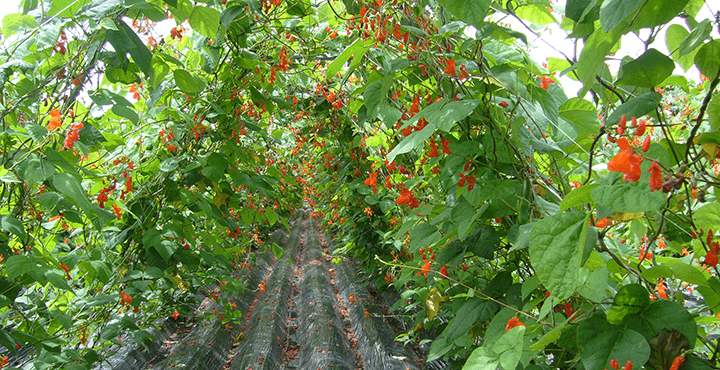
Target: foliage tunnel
148,148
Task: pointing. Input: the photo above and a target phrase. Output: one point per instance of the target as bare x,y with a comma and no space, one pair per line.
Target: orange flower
407,198
711,258
175,315
513,323
677,362
433,150
55,120
660,288
371,180
450,67
656,177
425,269
117,211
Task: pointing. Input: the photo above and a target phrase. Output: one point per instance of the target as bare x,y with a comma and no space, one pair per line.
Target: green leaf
648,70
438,348
613,12
550,337
628,197
66,8
482,359
630,299
58,279
578,9
470,11
674,37
713,110
15,23
277,250
582,113
707,59
699,34
18,265
446,117
206,21
423,236
188,83
413,141
170,164
466,317
635,107
577,196
556,250
664,315
595,284
69,186
375,95
510,347
125,41
12,225
181,10
707,217
689,273
535,13
356,51
657,12
592,57
600,342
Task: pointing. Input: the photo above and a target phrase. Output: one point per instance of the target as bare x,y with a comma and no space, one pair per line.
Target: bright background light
553,41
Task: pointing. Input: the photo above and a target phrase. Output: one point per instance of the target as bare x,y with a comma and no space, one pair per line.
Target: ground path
301,311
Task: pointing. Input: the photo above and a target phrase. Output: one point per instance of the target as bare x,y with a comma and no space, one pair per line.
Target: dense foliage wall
149,146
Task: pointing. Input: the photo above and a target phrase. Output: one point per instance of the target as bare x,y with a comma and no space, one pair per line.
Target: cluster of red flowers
450,66
711,258
371,181
125,298
55,120
407,198
425,269
60,45
135,89
514,322
627,162
470,180
616,366
177,32
545,82
73,135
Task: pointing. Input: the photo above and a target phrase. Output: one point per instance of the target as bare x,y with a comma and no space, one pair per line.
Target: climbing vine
148,148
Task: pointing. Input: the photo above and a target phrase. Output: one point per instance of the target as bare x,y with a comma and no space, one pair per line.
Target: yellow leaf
624,217
220,199
433,303
711,149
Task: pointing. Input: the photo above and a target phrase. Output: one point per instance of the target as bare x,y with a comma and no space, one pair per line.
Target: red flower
446,146
613,363
372,180
425,269
711,258
656,177
450,67
443,271
677,362
55,120
407,198
433,150
513,323
175,315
